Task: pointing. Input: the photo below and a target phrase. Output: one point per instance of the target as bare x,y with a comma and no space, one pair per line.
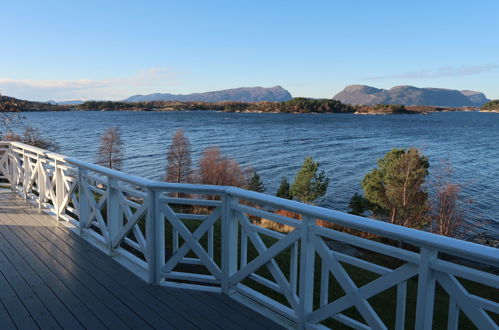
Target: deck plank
56,307
80,250
76,285
31,301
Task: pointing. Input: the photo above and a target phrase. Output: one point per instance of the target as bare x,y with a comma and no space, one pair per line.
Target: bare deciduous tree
447,215
179,159
217,169
8,115
111,150
33,137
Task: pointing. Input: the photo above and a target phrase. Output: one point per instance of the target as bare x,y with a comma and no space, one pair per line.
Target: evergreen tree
283,190
256,184
358,204
394,191
309,184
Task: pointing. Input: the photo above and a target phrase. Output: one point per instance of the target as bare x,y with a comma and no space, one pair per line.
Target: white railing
345,270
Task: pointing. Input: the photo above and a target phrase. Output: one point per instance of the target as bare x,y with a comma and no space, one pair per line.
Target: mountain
476,97
71,102
410,95
243,94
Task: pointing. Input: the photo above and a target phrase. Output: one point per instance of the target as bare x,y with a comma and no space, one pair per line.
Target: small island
492,106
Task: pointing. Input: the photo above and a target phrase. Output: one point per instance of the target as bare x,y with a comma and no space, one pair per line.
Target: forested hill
296,105
11,104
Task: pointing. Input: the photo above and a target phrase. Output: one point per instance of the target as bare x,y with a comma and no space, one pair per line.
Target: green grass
384,303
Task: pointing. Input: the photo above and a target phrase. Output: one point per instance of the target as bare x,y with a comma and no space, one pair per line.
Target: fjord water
346,145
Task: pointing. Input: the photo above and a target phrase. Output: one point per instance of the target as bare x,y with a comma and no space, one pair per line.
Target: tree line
295,105
491,106
395,191
216,168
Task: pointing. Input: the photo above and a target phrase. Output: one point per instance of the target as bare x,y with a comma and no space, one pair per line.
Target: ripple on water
347,146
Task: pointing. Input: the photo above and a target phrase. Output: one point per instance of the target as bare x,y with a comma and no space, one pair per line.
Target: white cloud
442,72
148,80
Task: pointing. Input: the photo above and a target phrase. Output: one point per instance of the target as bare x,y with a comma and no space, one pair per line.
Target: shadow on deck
52,278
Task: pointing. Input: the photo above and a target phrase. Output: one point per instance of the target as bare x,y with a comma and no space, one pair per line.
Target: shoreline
373,113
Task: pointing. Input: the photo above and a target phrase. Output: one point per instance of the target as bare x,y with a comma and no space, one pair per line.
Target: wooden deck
50,278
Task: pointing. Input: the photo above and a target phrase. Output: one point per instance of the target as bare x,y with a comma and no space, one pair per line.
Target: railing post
155,238
307,271
229,242
83,200
59,189
114,212
426,289
26,175
41,184
13,169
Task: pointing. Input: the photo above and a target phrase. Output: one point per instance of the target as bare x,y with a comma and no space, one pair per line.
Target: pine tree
309,184
256,184
395,190
283,190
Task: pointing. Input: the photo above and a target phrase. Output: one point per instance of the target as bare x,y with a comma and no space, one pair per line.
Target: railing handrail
416,237
413,236
137,211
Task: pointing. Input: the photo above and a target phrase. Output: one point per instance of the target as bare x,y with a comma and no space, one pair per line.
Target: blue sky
89,49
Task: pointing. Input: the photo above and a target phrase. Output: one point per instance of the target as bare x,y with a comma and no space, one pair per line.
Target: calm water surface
346,145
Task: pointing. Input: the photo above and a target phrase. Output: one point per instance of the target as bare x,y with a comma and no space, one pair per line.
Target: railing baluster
307,266
13,169
401,305
426,290
324,284
229,242
114,212
293,268
244,248
40,181
59,189
26,175
155,238
453,321
83,200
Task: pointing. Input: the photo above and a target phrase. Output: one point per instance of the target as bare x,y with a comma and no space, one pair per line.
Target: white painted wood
401,305
229,241
84,203
43,177
453,318
307,265
426,290
155,241
114,212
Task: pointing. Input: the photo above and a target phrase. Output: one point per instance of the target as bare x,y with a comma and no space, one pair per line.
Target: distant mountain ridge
410,95
242,94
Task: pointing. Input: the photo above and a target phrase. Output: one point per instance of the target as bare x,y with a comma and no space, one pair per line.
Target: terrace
85,246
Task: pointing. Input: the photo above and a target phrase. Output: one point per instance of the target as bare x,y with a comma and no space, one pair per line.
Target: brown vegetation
179,159
33,137
217,169
111,150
